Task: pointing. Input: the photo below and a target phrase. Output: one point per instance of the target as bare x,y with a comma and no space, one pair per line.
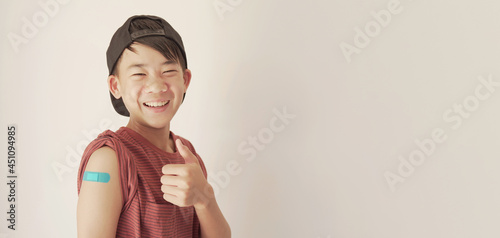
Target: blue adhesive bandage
96,177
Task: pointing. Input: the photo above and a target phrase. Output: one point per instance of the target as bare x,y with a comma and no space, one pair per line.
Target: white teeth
156,104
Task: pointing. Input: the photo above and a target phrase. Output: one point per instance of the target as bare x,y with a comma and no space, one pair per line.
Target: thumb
188,156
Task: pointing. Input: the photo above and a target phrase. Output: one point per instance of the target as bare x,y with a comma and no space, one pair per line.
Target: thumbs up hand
185,184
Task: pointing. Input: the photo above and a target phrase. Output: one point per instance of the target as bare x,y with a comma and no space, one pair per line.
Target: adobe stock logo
250,148
372,29
454,116
74,153
223,7
31,26
253,144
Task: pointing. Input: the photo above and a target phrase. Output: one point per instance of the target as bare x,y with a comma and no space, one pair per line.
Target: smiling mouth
156,104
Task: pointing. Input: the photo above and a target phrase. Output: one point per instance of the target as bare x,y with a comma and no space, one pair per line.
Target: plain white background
321,174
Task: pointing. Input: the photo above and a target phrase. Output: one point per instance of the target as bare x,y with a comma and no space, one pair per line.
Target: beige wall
315,118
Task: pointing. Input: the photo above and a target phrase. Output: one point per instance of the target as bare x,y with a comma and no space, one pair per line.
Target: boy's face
151,86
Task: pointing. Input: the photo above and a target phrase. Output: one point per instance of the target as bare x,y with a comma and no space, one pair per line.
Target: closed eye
139,74
169,71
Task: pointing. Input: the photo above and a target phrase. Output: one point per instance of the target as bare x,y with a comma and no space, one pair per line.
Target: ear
187,79
114,88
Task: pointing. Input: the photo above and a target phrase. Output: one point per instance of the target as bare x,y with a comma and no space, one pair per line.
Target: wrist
206,199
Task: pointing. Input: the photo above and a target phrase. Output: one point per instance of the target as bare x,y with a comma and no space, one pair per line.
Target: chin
158,124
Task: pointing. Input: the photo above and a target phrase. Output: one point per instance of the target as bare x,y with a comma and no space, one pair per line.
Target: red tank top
144,212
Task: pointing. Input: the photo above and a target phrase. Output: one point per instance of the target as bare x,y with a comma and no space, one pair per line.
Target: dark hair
165,46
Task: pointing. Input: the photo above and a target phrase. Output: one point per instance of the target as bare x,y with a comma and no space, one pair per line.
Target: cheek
176,87
179,91
132,91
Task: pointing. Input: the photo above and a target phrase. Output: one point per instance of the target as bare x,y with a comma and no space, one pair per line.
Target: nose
155,84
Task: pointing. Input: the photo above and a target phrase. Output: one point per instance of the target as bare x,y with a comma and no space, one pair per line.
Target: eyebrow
168,62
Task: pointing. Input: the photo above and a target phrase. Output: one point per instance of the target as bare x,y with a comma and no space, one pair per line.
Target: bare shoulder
102,158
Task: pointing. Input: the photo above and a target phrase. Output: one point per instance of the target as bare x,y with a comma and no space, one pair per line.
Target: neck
160,137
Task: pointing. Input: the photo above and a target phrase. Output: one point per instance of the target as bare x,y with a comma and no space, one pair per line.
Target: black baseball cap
123,38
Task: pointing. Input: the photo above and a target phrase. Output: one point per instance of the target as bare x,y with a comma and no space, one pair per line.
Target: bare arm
100,204
212,221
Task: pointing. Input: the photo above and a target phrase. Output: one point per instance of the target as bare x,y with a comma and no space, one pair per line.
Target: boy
143,180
